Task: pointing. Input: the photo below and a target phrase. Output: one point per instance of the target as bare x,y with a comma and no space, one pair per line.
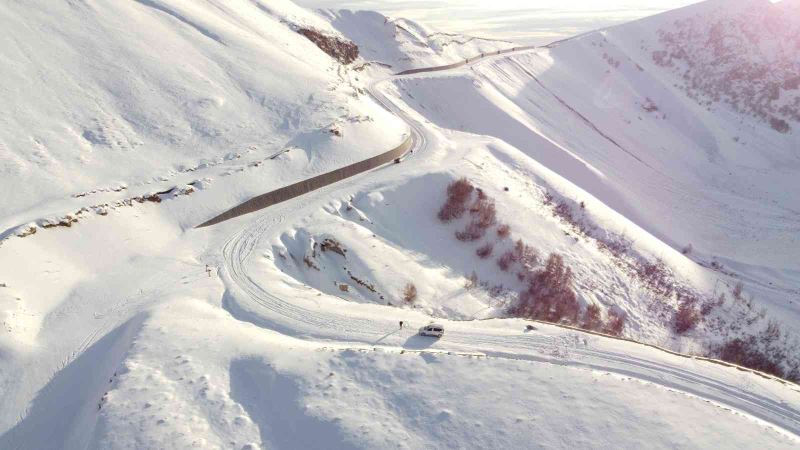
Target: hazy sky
530,21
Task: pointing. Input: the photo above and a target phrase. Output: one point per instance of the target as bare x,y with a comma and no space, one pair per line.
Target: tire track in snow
315,324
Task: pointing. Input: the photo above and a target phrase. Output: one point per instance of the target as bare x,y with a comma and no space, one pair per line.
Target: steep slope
601,111
113,94
659,205
701,175
402,44
130,328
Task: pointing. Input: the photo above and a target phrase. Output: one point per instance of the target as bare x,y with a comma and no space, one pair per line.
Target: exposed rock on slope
343,51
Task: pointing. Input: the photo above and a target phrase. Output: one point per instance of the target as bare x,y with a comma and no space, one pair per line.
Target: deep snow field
125,327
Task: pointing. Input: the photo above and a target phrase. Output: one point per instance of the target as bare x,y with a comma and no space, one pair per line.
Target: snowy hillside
115,94
401,44
602,112
572,215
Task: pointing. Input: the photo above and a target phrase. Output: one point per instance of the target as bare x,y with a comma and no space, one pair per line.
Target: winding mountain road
272,301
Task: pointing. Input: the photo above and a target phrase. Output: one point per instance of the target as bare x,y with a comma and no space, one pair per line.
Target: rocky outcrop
339,49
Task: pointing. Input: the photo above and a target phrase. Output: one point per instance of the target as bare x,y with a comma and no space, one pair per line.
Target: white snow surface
124,327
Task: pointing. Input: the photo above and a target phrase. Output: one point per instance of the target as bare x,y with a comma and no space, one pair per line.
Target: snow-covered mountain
635,182
603,112
110,94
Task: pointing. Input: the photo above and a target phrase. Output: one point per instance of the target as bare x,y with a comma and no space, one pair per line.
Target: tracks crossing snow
692,377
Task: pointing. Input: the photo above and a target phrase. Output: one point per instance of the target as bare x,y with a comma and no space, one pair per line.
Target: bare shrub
472,281
451,210
616,244
473,232
564,211
592,319
503,231
485,250
737,291
687,317
709,304
549,295
506,260
525,254
650,106
779,125
410,293
656,276
483,211
458,192
769,351
745,352
616,323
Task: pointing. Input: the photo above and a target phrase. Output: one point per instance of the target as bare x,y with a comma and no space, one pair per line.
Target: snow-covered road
287,309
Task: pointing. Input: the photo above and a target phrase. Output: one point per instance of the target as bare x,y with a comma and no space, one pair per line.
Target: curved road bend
248,300
413,141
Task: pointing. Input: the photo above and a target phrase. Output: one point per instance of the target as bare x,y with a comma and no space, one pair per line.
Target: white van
434,329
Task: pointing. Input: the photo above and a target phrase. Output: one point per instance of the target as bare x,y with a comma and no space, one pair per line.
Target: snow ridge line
466,61
311,184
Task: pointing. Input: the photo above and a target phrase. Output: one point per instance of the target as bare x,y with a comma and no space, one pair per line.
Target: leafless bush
656,276
451,210
616,244
768,351
458,192
472,281
779,125
737,291
549,295
410,293
687,317
745,352
709,304
526,255
485,250
592,319
471,233
506,260
616,323
564,211
503,231
483,211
